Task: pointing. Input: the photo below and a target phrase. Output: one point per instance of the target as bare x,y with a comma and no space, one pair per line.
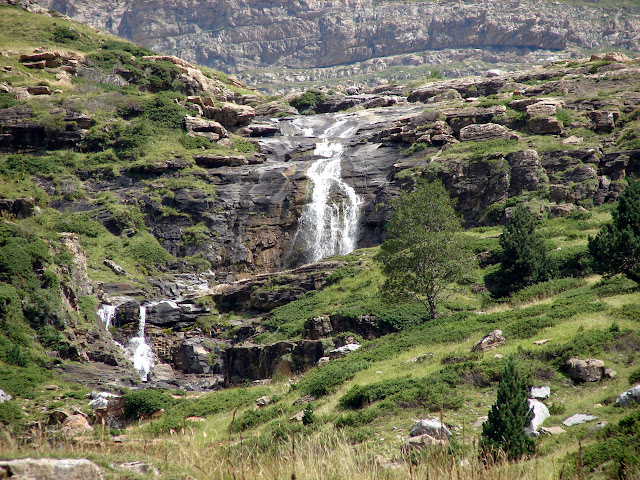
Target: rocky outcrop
255,362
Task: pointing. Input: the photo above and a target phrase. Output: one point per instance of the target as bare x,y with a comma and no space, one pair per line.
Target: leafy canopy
616,248
504,429
425,251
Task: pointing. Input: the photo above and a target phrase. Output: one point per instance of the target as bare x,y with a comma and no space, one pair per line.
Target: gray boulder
588,370
345,349
432,427
630,397
50,469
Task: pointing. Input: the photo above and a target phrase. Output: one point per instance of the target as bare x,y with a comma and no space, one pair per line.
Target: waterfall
329,222
137,349
107,313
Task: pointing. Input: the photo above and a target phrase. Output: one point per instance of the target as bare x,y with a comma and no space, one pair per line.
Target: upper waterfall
329,221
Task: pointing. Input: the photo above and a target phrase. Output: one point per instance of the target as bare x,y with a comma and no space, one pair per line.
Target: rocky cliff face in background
238,35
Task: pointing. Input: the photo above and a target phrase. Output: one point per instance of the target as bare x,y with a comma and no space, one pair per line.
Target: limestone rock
489,342
540,392
588,370
628,398
432,427
75,425
202,127
486,131
4,397
263,401
540,414
51,469
578,419
344,350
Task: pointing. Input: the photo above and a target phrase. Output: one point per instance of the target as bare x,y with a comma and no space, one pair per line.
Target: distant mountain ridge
239,35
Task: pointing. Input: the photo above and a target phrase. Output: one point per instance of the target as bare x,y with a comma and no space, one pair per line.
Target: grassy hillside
357,411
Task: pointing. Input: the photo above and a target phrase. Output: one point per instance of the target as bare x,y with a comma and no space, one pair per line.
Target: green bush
223,401
7,100
253,418
65,35
307,100
11,415
23,382
357,419
546,289
80,223
126,139
142,403
163,111
634,377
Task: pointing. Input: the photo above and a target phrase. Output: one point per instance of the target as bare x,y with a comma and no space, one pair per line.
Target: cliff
239,35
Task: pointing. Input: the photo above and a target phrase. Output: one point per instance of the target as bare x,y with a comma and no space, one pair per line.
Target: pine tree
616,248
523,260
504,429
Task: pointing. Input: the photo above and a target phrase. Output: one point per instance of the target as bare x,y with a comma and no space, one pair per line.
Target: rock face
263,361
238,35
50,469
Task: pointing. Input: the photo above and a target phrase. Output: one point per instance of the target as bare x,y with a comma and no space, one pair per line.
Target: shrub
163,110
142,403
634,377
146,250
327,378
253,418
10,415
65,35
307,100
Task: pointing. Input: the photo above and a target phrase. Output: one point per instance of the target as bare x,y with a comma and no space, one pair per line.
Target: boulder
4,397
75,425
543,125
432,427
578,419
540,392
628,398
51,469
603,121
39,90
540,414
552,430
489,342
263,401
199,126
547,107
588,370
486,131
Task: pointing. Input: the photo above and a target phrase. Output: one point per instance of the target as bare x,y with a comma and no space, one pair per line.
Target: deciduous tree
425,251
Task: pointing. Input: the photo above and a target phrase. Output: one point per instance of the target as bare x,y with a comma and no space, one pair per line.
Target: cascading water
329,222
107,313
137,349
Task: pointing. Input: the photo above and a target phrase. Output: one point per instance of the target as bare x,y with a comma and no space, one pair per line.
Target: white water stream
329,222
137,349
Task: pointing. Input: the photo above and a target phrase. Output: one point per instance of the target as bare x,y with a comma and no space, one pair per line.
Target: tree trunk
432,306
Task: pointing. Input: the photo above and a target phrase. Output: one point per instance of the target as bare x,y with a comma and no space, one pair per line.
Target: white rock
540,414
4,397
540,392
432,427
348,348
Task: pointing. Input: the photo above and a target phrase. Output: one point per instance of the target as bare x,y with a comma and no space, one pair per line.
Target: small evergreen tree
616,248
523,260
504,429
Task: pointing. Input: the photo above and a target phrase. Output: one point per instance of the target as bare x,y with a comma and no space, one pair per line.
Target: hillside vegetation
68,203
